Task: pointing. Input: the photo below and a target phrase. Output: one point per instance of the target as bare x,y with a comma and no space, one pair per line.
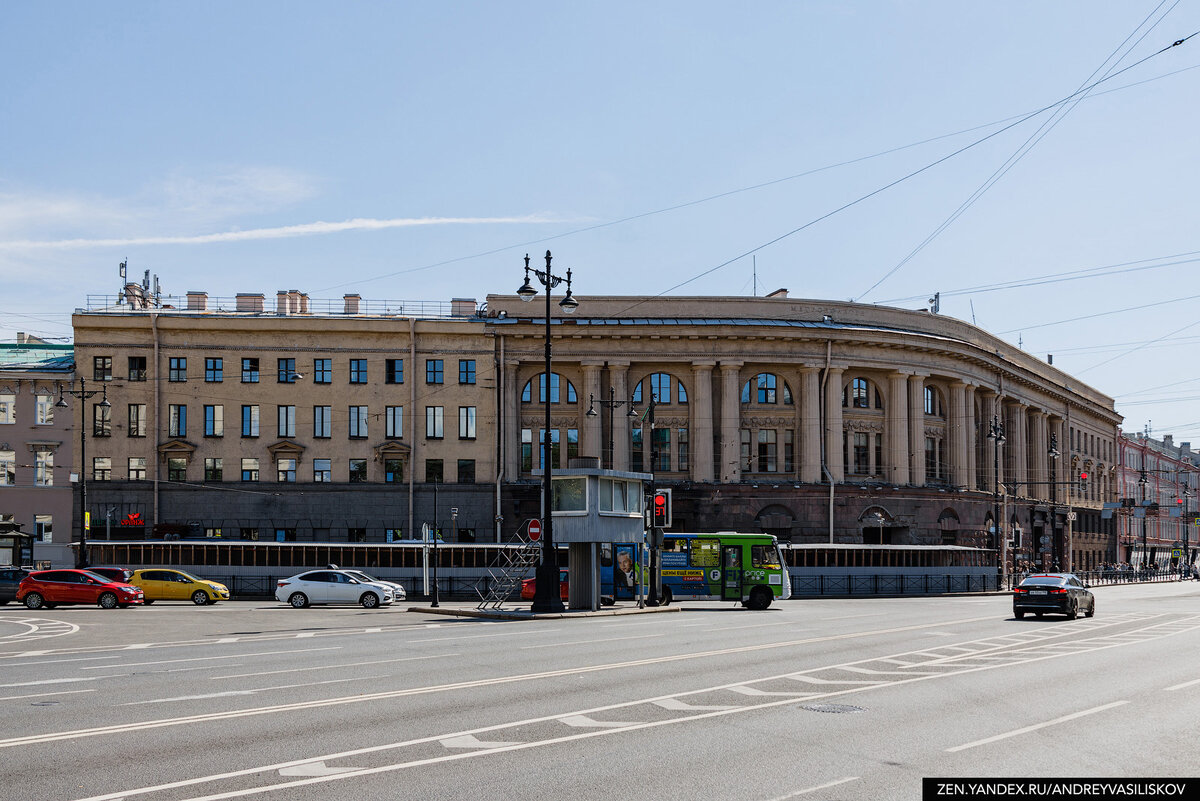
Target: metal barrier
891,584
1096,578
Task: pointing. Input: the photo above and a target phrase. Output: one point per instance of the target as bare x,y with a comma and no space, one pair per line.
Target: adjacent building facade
817,421
1157,507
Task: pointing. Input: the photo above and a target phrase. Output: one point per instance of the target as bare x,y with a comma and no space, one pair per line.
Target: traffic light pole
654,593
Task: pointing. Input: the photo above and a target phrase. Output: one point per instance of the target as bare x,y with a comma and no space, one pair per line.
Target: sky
1034,163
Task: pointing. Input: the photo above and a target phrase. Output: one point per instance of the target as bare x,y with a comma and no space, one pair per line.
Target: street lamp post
996,434
1053,454
546,596
1142,482
83,394
434,602
610,404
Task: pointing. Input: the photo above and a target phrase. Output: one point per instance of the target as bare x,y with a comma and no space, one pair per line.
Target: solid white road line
250,692
53,681
808,790
331,667
39,695
588,642
1185,684
207,658
1037,726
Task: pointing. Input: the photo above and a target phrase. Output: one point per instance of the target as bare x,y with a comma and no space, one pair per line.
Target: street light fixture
996,434
1142,482
1054,454
546,596
83,394
610,404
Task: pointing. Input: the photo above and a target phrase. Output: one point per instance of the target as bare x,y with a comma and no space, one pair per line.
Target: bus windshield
764,556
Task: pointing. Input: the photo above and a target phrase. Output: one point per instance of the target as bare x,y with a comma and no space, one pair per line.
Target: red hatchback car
529,587
48,588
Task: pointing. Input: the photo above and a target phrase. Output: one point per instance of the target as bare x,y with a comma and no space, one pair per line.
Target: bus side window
606,558
675,545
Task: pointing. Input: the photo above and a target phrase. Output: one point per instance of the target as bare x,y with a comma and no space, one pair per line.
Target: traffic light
1083,483
661,508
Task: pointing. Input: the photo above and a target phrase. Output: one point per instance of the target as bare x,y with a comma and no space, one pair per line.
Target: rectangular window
8,468
322,422
250,421
44,410
43,528
8,409
767,453
249,371
635,450
789,450
572,444
285,471
137,468
358,471
102,368
137,420
249,470
214,421
662,450
683,448
213,470
322,471
466,471
466,422
433,471
287,371
395,422
322,371
747,457
102,468
177,369
358,422
466,371
287,420
433,371
394,371
393,470
862,453
526,450
358,371
137,368
176,469
214,370
555,461
433,422
177,420
101,420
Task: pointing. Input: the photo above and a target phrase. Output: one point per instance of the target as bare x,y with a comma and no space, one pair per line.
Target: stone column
898,429
511,412
988,402
731,417
1039,442
810,425
833,424
916,430
700,437
969,432
592,441
1015,436
618,379
957,446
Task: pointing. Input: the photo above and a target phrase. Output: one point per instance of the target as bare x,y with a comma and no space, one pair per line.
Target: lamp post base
546,594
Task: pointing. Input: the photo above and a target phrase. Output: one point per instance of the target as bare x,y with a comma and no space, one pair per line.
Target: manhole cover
837,709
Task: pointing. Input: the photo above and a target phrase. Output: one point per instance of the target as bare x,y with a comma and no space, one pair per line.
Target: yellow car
175,585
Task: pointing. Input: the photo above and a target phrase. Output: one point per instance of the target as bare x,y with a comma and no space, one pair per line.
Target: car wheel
369,600
1072,612
107,601
760,598
1019,615
34,601
147,602
298,600
1091,612
199,597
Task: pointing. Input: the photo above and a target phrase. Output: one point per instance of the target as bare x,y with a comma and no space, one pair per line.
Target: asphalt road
810,699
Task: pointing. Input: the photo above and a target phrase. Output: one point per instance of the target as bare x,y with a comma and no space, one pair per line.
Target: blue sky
379,148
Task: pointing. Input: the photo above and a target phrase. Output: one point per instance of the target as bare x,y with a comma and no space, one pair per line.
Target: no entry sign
535,530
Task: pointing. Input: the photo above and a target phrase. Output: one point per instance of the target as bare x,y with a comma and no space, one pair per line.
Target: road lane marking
60,661
53,681
1036,726
584,722
331,667
486,636
471,741
207,658
42,695
312,769
808,790
588,642
675,705
1185,684
250,692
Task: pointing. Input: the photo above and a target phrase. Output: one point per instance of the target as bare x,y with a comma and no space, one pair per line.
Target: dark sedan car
10,579
1061,593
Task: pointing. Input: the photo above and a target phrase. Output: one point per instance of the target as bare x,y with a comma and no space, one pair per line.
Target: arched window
661,388
858,394
766,390
933,402
556,381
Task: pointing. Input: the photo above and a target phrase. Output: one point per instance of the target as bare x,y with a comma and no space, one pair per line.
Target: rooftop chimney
249,302
352,302
197,301
462,307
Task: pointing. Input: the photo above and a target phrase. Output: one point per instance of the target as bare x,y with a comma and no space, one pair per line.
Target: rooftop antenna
973,313
1021,341
121,293
754,264
935,303
157,293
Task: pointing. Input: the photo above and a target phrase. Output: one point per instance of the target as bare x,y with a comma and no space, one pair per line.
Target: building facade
1157,504
817,421
37,447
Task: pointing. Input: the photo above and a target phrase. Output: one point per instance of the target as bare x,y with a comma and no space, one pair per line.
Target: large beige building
815,420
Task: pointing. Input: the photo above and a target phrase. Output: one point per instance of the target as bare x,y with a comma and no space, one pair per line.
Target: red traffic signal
1083,476
661,508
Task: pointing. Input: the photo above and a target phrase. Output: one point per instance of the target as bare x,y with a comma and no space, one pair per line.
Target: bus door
624,573
731,573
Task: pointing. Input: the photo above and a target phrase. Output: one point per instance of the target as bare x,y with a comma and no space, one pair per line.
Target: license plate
1039,592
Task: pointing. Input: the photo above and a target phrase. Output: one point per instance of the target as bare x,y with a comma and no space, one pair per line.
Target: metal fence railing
1116,576
859,584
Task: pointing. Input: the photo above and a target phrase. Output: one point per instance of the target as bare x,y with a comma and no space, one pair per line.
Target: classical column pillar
618,379
592,442
955,430
810,425
700,437
898,428
916,430
987,405
731,416
1039,442
834,452
1015,436
970,431
511,411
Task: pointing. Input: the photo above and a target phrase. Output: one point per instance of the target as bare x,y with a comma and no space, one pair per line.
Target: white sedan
397,589
331,587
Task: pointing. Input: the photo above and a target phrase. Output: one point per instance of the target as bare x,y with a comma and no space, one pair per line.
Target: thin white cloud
280,232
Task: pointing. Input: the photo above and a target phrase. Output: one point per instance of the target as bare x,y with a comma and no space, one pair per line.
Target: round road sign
535,530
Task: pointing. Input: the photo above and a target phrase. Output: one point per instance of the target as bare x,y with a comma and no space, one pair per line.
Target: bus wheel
760,598
666,596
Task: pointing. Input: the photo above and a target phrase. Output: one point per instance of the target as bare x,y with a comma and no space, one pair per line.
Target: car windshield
103,579
1043,581
188,575
361,576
